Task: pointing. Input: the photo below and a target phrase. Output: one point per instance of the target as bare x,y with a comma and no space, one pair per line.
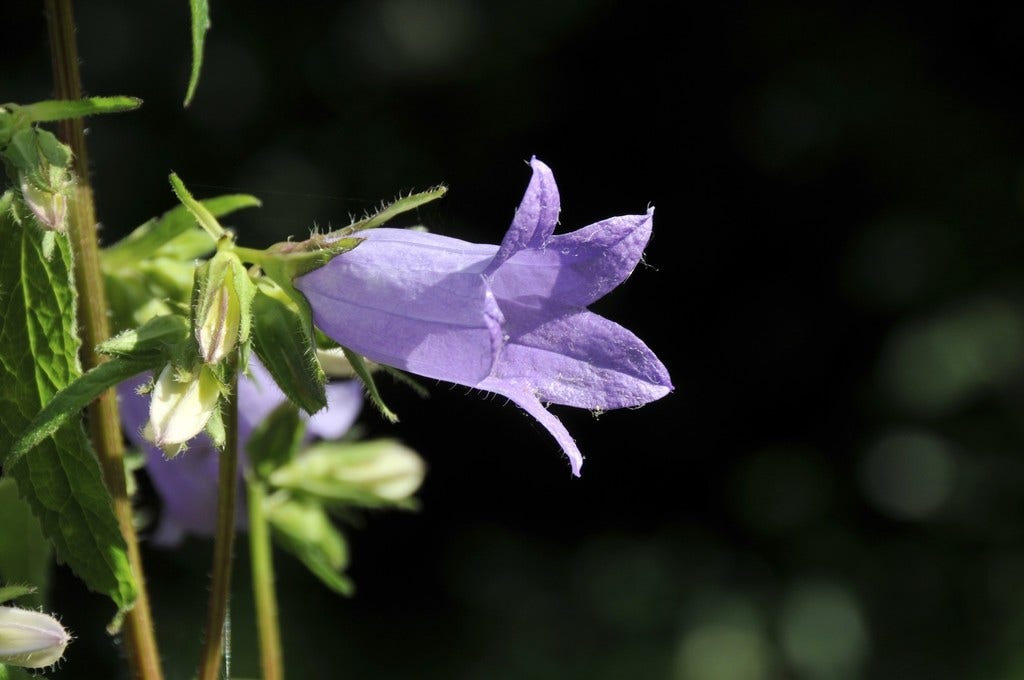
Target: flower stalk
262,558
104,424
224,539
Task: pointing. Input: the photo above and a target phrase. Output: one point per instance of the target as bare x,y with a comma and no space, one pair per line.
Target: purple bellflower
508,319
187,485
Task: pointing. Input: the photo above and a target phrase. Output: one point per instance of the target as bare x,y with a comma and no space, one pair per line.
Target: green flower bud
224,306
180,407
372,474
30,639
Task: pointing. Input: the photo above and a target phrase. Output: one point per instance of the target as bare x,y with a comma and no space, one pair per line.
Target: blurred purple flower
508,319
187,485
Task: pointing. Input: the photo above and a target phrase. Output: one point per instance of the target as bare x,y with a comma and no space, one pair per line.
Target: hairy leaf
61,479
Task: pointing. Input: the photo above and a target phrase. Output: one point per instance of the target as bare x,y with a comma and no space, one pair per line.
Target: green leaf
363,371
276,440
173,234
72,399
61,480
13,592
25,554
62,109
303,528
200,25
281,342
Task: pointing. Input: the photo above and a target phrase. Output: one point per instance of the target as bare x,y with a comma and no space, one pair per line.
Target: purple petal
344,401
580,359
578,268
536,215
412,300
522,394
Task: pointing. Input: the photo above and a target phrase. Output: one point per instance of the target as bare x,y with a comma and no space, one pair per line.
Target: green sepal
303,528
276,440
203,216
200,10
364,374
173,234
75,397
152,341
14,591
282,342
62,109
393,210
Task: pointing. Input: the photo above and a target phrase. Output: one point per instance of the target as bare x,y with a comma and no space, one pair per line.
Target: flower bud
30,639
180,407
223,308
49,207
375,473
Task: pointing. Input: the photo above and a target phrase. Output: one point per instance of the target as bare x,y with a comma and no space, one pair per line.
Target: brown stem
104,424
224,540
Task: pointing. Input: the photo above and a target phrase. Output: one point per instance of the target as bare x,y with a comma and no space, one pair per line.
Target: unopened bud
180,408
49,206
381,472
30,639
224,307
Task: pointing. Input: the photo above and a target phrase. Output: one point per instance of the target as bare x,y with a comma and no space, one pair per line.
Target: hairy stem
261,555
104,424
224,541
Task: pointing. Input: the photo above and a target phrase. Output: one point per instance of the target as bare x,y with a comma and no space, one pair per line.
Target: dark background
836,487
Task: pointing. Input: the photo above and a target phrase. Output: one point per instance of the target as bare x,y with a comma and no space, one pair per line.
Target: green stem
250,254
261,553
224,540
104,423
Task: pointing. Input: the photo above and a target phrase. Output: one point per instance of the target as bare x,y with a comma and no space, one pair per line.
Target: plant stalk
224,540
104,423
262,557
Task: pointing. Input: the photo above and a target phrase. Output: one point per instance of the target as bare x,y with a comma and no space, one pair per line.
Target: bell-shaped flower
508,319
30,639
187,485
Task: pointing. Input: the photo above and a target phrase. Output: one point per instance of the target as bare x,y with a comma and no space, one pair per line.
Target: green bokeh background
836,283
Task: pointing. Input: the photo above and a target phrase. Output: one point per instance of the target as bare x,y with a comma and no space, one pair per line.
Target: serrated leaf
173,233
359,366
276,440
303,528
286,350
200,25
61,109
13,592
61,480
25,554
72,399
